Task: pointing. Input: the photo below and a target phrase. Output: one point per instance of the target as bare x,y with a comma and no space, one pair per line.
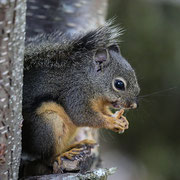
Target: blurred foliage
151,43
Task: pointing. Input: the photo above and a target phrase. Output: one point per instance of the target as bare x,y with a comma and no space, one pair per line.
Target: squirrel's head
114,79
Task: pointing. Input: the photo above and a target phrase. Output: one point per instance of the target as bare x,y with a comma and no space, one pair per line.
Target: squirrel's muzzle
126,104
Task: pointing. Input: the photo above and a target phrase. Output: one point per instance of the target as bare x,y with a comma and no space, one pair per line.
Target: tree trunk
70,16
12,28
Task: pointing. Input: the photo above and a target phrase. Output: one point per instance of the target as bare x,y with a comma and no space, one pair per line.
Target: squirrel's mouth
118,105
115,105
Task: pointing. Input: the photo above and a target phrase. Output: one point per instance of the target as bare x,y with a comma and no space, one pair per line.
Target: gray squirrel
72,82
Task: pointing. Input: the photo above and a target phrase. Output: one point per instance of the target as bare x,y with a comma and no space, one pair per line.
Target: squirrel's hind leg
64,132
62,127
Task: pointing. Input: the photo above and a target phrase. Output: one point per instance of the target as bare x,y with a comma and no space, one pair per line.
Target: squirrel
72,82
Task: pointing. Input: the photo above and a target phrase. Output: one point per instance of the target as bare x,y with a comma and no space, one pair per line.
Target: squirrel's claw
117,123
76,153
121,125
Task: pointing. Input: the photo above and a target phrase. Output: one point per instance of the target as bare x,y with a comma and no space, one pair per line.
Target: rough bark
12,28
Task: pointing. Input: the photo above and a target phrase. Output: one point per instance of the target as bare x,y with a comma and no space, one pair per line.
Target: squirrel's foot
87,143
74,154
118,123
79,149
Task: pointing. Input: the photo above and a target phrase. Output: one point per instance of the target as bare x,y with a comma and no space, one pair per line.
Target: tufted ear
101,57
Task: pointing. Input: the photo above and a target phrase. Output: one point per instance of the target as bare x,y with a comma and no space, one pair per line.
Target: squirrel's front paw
117,123
69,160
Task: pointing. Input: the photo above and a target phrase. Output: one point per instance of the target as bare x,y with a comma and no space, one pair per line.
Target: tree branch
98,174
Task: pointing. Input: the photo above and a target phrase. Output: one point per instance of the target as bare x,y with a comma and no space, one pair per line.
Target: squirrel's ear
101,56
115,48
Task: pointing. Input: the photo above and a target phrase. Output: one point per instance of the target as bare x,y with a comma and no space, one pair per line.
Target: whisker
157,92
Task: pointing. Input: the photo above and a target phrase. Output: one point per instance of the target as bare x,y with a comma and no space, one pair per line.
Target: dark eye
119,84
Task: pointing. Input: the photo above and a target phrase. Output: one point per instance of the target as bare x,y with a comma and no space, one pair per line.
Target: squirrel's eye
119,84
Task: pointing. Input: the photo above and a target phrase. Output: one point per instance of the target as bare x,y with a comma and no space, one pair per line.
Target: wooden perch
98,174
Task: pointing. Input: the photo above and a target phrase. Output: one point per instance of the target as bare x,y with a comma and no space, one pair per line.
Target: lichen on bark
12,35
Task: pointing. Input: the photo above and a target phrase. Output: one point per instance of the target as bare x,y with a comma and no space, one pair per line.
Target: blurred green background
150,148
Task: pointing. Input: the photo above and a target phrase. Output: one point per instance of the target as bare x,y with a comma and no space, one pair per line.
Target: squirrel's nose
134,105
